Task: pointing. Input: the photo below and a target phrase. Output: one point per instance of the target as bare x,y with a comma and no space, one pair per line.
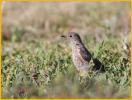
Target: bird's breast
78,61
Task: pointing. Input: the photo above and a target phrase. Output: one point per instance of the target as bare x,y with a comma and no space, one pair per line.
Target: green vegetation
39,65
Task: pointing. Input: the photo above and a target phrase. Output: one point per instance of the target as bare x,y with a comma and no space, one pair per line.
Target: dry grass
42,19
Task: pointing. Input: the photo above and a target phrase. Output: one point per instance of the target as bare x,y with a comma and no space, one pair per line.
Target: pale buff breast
78,61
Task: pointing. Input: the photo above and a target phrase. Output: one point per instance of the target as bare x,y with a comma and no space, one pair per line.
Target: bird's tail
98,66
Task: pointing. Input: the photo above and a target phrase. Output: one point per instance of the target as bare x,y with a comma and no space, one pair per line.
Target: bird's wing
85,54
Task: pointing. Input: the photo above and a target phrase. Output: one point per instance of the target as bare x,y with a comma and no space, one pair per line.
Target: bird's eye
70,35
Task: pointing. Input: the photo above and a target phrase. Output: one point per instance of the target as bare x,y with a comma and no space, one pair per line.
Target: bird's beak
63,36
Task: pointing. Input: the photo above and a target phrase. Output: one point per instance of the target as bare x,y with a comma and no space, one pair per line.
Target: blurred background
34,53
42,20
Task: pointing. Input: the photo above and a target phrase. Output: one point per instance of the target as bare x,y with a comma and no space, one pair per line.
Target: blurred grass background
36,61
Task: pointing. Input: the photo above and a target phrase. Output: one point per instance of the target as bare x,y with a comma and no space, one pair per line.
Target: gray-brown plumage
80,55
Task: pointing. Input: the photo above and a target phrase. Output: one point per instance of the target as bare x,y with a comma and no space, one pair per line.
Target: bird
80,54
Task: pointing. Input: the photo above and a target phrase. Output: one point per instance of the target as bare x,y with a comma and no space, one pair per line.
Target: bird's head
73,38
